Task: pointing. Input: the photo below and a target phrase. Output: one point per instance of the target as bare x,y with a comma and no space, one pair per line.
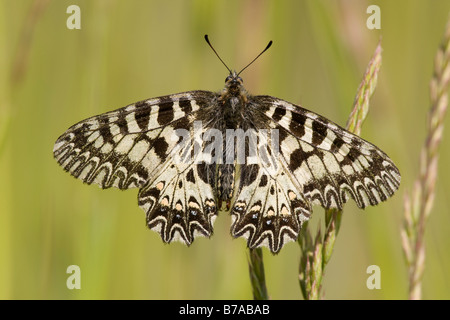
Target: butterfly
182,150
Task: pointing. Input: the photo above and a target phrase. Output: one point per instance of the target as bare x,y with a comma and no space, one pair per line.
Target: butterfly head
233,82
234,93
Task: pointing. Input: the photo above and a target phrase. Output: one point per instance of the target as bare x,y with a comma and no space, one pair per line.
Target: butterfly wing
135,146
318,162
331,162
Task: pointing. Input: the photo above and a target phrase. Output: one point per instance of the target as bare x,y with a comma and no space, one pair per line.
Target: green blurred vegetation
127,51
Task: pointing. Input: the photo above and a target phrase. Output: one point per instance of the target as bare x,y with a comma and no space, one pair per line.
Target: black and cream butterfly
318,162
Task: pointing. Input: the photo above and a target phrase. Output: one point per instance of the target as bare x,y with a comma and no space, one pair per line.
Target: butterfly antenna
209,43
267,47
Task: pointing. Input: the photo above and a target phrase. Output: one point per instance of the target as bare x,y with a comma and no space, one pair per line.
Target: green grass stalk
317,254
418,204
257,276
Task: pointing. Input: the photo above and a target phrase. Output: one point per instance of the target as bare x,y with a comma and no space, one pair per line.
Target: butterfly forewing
330,162
125,147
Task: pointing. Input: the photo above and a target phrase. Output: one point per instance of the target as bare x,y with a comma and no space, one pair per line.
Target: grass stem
316,255
257,277
418,204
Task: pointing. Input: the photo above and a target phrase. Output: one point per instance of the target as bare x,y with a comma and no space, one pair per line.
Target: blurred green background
52,77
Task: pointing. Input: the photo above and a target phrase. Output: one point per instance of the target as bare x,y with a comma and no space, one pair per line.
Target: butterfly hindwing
180,202
269,209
